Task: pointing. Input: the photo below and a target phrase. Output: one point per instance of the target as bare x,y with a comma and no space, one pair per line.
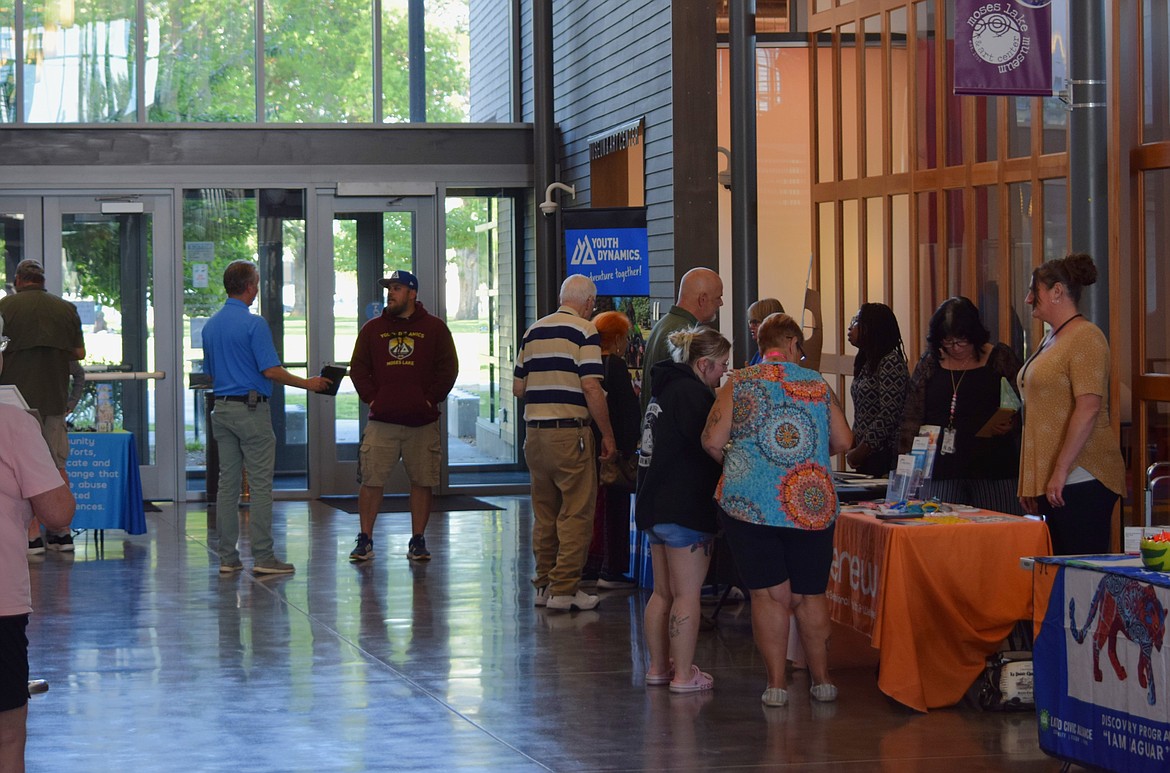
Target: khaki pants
562,462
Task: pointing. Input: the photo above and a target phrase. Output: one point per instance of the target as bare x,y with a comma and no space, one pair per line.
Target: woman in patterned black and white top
881,379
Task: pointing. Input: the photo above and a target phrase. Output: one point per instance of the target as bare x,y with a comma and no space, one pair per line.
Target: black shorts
766,556
13,662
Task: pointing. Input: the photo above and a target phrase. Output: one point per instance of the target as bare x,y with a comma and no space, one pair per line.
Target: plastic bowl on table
1156,555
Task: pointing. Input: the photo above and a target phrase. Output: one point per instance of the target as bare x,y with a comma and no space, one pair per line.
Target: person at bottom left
30,485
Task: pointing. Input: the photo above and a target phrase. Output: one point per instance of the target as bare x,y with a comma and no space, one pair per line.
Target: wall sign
610,246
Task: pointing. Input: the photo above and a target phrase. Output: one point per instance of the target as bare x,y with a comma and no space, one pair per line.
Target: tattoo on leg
676,624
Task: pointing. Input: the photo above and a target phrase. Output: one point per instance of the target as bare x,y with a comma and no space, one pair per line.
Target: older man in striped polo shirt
558,373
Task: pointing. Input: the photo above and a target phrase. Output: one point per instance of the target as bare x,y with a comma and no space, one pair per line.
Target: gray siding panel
490,50
613,65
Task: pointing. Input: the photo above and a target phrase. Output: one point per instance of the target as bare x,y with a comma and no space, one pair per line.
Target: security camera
549,206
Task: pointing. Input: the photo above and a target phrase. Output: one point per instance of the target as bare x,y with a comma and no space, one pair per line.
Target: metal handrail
1150,497
118,375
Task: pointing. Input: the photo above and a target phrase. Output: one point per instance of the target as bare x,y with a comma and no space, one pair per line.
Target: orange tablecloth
935,598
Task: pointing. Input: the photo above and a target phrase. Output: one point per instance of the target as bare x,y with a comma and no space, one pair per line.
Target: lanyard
1046,343
954,395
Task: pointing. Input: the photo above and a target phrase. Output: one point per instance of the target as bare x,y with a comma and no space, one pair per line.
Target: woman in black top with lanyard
956,386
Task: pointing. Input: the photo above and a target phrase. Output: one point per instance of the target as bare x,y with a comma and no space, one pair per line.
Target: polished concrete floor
157,663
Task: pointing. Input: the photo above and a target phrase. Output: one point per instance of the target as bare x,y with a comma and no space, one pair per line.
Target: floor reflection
155,661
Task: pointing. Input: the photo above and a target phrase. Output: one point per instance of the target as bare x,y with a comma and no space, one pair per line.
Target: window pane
826,134
447,65
1156,263
1019,126
900,258
200,63
318,63
1055,112
931,272
82,67
1155,71
899,94
987,289
956,246
847,66
831,315
875,244
7,63
851,256
1055,220
925,105
874,121
953,121
1020,223
986,141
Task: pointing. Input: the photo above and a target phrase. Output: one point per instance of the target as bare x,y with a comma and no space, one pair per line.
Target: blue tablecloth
103,473
1100,663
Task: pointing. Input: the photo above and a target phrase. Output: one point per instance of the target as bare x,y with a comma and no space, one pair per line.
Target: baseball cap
30,270
402,278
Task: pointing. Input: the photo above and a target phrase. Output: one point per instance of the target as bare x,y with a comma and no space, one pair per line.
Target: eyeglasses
4,342
853,322
952,343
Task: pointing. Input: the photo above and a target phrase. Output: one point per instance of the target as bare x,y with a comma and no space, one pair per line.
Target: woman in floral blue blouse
774,427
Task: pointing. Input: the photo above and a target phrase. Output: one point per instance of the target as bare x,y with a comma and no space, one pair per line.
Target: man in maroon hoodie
403,365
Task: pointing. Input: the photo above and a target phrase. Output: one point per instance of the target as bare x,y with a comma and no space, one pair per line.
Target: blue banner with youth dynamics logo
1003,47
609,245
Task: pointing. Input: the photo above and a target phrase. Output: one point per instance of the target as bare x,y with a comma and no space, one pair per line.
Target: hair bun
1081,269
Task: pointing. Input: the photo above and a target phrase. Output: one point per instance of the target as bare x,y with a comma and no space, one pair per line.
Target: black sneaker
62,542
36,546
417,550
364,550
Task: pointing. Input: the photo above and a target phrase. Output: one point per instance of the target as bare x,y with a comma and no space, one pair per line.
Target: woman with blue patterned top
774,427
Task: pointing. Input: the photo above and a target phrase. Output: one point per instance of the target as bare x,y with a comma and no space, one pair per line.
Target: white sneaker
580,601
541,596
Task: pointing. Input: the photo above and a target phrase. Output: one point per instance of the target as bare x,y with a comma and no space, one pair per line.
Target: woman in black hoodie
675,505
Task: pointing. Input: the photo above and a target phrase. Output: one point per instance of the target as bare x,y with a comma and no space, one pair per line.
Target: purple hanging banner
1003,47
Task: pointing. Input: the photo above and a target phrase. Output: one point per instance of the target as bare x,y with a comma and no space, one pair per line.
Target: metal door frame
327,475
160,480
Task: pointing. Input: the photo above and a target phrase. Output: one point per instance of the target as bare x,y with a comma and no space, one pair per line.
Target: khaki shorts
384,444
56,435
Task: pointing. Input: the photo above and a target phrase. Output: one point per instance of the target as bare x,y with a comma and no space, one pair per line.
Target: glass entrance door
110,255
361,240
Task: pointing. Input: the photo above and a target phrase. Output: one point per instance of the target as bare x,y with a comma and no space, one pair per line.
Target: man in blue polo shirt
239,354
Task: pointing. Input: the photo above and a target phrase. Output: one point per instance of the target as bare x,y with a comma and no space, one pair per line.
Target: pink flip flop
699,681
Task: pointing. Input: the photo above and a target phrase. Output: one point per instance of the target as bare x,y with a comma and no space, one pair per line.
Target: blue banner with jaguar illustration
1003,47
1100,664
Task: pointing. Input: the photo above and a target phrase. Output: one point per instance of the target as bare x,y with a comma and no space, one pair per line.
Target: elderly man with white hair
558,373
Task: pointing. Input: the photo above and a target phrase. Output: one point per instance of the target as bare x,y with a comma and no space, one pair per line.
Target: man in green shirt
700,294
45,333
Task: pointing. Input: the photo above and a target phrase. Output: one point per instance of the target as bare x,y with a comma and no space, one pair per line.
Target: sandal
824,692
775,697
698,681
659,680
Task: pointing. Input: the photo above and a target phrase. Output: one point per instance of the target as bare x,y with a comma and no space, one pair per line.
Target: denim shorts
674,536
